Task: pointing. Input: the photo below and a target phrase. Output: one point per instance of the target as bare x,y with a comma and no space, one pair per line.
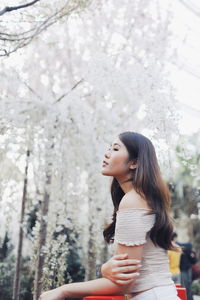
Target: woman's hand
121,270
55,294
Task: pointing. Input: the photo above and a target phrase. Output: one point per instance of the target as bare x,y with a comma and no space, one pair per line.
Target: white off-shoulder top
132,228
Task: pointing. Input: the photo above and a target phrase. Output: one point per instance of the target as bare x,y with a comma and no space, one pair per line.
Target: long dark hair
147,181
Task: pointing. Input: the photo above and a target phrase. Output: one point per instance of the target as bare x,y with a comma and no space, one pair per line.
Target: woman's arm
101,286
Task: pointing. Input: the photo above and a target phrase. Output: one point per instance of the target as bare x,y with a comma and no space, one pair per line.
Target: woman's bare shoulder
133,200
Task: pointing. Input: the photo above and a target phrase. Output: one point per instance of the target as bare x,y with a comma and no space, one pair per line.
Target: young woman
141,225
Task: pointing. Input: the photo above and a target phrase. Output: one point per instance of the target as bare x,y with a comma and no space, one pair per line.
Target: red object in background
195,272
181,294
178,285
181,291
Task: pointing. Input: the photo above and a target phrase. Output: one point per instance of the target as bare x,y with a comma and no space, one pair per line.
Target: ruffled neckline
139,208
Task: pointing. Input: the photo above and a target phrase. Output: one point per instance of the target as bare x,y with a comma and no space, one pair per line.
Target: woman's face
115,160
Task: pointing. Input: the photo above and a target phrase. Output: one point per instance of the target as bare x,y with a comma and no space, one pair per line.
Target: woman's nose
107,154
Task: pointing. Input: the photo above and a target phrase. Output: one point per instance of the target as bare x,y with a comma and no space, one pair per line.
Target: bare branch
65,94
11,8
191,7
188,108
27,85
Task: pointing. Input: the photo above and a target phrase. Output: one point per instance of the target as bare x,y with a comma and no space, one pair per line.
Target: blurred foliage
184,198
196,287
74,271
7,270
185,186
188,158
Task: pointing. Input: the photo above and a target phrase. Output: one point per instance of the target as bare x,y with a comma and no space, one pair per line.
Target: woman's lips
104,163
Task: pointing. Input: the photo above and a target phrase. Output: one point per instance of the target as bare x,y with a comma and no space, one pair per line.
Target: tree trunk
16,286
43,219
91,271
91,252
41,242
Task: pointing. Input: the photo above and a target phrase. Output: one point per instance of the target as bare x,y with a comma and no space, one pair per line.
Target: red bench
181,294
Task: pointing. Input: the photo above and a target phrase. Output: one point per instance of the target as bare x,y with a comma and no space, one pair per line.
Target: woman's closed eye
115,149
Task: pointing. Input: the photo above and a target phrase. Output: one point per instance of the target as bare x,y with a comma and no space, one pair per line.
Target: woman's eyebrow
115,144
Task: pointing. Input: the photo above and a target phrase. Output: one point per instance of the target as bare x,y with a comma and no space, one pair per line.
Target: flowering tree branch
11,42
11,8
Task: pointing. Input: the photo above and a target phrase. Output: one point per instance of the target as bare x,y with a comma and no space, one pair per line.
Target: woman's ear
133,165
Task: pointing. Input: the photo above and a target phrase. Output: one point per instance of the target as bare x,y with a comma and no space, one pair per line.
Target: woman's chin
106,173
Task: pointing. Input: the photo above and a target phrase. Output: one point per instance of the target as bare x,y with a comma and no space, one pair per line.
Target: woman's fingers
128,262
123,282
125,270
120,256
125,261
128,269
122,276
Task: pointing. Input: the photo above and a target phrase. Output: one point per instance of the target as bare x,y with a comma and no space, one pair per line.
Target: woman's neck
126,186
